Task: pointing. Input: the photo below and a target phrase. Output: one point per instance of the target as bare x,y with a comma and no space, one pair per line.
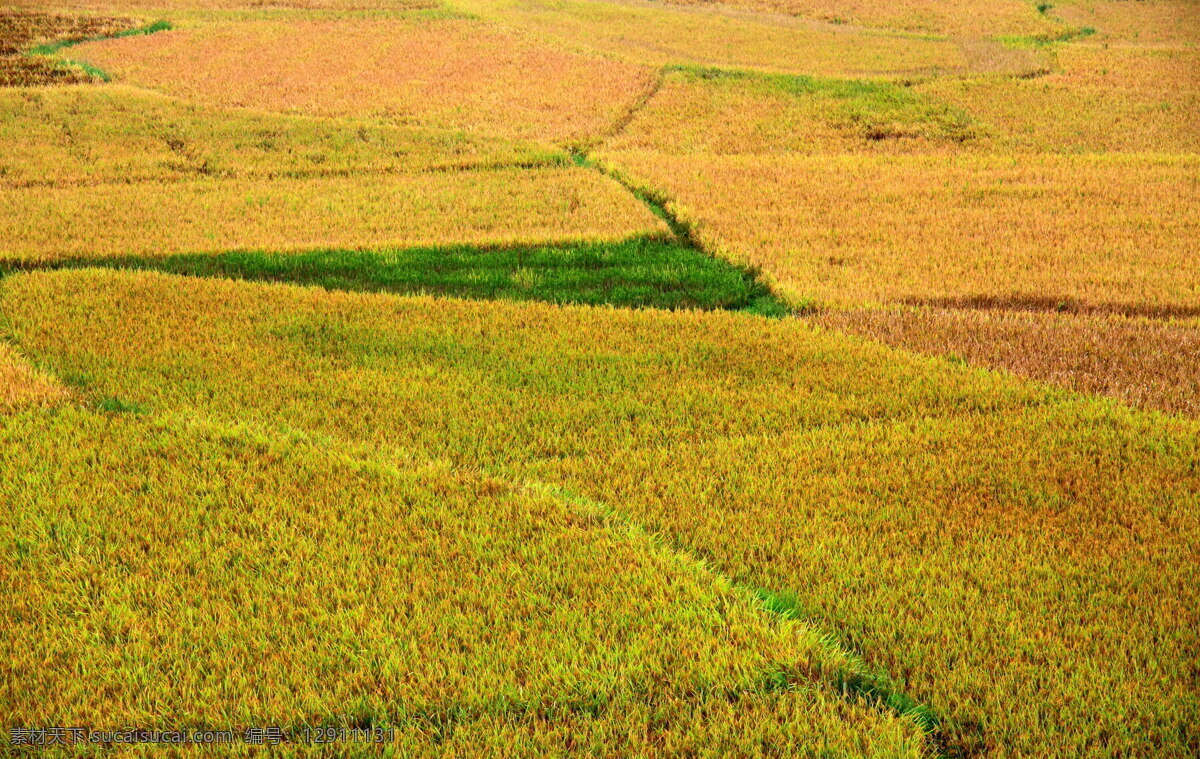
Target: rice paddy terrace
809,378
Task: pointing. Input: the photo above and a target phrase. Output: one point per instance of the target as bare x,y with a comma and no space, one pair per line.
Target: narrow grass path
855,681
765,304
640,273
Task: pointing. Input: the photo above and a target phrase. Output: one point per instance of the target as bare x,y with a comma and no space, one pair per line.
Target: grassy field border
50,49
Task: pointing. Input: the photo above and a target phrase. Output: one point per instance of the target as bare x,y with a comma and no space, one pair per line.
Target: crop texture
508,206
1068,526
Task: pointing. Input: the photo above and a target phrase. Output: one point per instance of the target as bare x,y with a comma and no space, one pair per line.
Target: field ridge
854,680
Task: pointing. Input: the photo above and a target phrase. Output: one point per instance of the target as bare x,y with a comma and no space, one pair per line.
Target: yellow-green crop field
464,378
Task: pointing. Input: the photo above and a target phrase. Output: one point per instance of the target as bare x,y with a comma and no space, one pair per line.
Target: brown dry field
1150,363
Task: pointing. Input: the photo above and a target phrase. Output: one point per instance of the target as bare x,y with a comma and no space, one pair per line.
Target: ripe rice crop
712,35
505,206
715,111
22,386
598,361
743,725
960,18
452,73
195,575
176,8
1115,232
22,30
84,135
964,531
1098,98
393,365
1145,362
1162,22
1030,576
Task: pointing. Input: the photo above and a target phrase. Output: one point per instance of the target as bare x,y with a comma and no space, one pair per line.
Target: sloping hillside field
605,378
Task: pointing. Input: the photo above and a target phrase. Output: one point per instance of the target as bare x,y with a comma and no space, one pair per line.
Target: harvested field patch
505,206
1144,362
21,30
19,71
83,135
639,273
442,73
1115,232
1039,533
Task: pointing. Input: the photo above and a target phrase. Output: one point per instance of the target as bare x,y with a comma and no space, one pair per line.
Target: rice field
23,386
1098,98
22,30
767,472
642,272
704,112
646,34
449,73
356,624
1114,233
53,224
764,378
70,136
961,19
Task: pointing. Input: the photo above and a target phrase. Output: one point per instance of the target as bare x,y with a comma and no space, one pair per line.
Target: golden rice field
452,73
704,111
206,8
208,215
651,34
20,30
1097,232
771,471
1098,99
962,18
392,614
460,378
1172,22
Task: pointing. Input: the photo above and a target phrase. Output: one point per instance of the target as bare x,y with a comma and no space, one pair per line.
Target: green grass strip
50,48
872,686
637,273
